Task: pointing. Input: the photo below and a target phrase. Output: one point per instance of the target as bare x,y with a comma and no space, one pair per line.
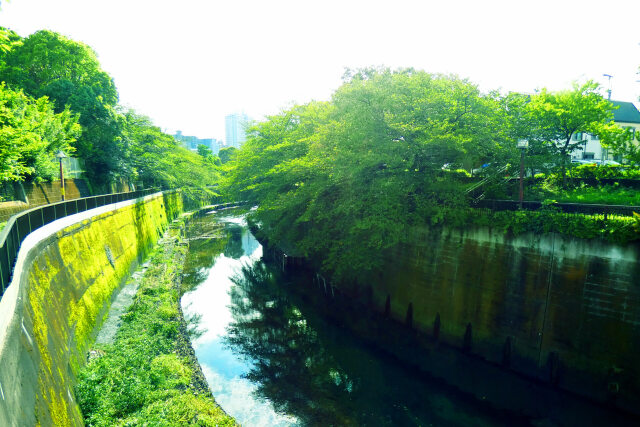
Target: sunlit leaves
555,117
340,181
30,135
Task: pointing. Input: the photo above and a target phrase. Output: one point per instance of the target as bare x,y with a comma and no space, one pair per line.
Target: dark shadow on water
323,375
318,356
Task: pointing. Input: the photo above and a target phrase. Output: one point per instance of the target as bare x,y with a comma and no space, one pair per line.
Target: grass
150,376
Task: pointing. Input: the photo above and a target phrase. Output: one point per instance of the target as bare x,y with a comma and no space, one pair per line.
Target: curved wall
64,278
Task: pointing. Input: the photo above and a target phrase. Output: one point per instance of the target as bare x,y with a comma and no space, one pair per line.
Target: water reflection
218,248
272,359
321,374
274,356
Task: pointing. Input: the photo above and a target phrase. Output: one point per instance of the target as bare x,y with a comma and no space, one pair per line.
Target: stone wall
62,287
562,310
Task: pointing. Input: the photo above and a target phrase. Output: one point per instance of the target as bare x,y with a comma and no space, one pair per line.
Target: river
272,360
273,357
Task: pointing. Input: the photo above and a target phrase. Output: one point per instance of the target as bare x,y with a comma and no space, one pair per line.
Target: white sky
188,63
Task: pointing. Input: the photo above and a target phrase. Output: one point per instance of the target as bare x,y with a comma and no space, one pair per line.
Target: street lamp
522,144
60,155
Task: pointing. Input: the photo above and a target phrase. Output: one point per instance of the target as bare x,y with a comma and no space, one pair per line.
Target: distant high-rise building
235,129
192,142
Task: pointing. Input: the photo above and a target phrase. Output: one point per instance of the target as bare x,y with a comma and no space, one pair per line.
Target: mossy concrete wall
64,279
563,310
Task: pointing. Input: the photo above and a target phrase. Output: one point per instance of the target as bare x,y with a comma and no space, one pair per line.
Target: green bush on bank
614,194
605,172
616,229
146,377
593,171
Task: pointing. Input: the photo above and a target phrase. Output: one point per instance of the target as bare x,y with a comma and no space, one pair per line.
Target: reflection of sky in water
221,367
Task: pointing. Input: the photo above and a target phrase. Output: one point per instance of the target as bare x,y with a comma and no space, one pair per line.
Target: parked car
586,162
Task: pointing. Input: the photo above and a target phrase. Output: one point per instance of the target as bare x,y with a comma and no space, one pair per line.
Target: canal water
273,358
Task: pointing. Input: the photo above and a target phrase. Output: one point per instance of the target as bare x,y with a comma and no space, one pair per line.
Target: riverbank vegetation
343,181
149,375
55,96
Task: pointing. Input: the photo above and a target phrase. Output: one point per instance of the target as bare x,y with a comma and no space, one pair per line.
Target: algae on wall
557,308
67,284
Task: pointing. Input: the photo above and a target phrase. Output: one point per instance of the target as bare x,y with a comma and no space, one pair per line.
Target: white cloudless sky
188,63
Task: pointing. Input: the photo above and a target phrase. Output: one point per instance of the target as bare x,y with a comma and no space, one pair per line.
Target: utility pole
60,155
609,84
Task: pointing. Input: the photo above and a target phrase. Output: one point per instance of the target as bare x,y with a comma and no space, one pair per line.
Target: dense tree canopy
156,159
69,74
62,80
343,181
344,178
30,135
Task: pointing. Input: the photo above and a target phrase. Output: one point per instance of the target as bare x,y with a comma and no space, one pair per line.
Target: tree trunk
564,163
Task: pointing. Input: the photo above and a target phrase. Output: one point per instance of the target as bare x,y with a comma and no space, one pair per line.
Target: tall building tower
235,129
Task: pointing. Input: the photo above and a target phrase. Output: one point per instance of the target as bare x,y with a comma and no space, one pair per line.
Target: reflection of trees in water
233,248
311,369
207,240
319,373
290,367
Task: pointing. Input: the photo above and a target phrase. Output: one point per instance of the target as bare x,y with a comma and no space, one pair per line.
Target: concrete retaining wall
559,309
26,196
64,279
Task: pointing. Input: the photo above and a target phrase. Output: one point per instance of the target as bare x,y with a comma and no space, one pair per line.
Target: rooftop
626,112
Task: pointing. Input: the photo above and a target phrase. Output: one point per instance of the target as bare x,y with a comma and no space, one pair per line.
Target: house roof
626,112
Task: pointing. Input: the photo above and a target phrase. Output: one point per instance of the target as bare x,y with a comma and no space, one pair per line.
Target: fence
20,225
583,208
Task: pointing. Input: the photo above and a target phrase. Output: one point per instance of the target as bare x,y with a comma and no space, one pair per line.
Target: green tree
156,159
207,155
30,135
69,74
226,154
8,39
340,181
558,116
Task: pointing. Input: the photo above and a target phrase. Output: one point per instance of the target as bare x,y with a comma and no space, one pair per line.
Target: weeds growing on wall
148,376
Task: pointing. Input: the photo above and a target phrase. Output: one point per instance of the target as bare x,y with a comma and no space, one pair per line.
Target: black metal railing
20,225
581,208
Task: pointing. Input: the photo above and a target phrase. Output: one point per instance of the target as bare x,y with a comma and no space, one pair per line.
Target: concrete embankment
560,310
63,282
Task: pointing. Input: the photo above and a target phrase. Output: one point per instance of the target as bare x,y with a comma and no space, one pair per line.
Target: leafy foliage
69,74
340,181
30,135
617,229
114,143
606,194
555,117
157,160
227,154
605,172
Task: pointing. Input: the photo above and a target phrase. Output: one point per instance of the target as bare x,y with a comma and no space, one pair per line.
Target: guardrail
20,225
581,208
